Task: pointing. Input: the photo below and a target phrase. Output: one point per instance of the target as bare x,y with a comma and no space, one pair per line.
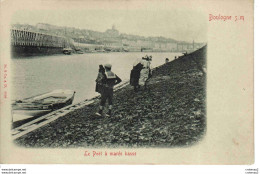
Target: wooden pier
31,38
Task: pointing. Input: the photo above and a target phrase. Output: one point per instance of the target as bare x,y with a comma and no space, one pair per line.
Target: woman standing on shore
146,71
135,75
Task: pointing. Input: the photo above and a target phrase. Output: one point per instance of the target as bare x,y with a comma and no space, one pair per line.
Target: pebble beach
171,112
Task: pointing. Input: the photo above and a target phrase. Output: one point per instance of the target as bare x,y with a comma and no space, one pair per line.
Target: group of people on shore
141,72
106,80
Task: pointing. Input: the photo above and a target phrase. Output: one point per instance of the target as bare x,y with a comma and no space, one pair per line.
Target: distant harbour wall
30,38
33,43
99,47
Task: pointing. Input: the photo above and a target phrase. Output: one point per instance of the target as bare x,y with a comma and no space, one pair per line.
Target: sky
179,24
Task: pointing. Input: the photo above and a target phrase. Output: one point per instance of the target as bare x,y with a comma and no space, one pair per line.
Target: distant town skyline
176,24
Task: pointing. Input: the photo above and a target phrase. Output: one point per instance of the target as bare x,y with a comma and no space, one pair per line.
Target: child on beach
109,80
101,74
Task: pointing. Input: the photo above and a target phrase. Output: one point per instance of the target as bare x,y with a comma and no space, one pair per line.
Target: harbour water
36,75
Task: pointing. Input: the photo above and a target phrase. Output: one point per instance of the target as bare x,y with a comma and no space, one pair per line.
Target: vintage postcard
127,82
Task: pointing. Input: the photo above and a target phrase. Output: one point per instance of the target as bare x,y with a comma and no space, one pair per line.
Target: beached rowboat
44,103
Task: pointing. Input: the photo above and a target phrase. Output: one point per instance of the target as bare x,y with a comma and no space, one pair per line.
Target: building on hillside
112,33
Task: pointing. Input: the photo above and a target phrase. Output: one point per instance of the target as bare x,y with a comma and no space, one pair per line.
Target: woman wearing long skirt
145,72
135,75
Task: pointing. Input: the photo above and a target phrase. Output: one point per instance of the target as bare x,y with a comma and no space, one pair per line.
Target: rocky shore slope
171,112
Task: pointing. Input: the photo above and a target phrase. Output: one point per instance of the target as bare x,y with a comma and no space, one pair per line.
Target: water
78,72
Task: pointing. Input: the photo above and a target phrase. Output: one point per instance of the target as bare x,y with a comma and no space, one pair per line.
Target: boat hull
42,104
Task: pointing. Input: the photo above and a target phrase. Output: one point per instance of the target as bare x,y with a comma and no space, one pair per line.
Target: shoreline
157,119
27,56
